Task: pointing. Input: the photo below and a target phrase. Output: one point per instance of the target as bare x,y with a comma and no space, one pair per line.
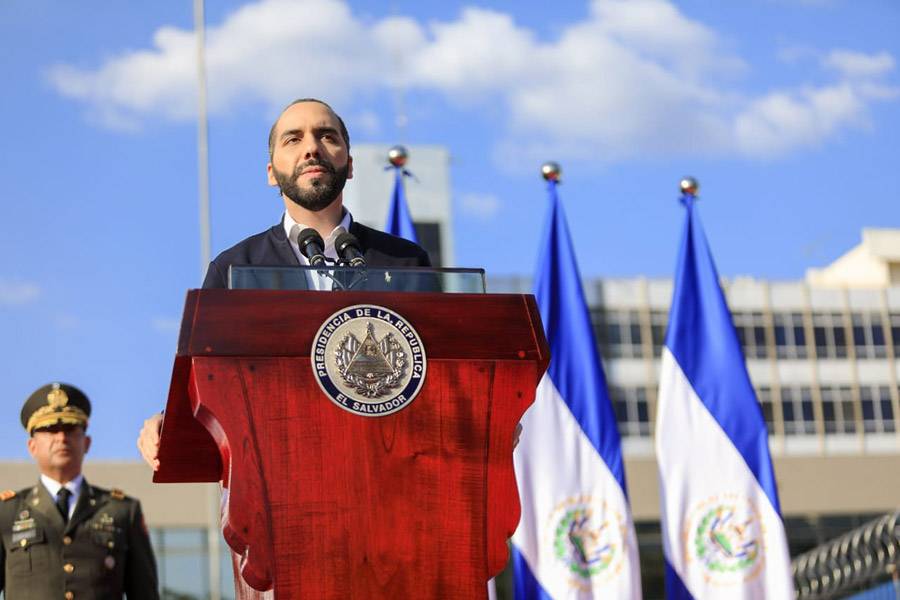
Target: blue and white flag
723,536
399,221
576,537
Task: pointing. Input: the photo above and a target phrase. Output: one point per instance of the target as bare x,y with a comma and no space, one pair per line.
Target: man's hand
148,441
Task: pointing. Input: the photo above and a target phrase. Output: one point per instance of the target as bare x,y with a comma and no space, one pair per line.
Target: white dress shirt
292,229
73,486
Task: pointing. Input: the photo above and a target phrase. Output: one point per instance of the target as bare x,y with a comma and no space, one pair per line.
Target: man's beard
323,190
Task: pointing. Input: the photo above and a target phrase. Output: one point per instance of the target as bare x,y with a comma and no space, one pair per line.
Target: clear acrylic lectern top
380,279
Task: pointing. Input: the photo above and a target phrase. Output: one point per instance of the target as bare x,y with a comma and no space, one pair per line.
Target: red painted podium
321,502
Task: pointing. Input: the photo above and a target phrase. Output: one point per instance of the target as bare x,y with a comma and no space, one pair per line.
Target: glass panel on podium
376,279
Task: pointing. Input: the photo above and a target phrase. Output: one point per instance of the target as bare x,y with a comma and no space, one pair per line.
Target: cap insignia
57,397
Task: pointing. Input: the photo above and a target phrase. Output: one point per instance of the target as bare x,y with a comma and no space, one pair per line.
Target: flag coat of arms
576,537
723,536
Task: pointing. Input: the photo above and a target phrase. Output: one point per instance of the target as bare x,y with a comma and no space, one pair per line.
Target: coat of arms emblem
368,360
372,367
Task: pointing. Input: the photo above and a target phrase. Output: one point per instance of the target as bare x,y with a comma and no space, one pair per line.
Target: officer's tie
62,503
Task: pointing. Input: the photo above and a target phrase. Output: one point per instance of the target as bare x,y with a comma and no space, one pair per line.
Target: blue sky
788,111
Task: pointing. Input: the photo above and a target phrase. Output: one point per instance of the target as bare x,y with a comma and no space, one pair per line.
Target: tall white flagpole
212,526
202,140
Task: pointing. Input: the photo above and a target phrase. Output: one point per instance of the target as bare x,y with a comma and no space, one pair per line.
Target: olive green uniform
103,551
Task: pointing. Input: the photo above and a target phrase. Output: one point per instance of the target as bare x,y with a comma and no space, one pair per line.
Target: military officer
65,538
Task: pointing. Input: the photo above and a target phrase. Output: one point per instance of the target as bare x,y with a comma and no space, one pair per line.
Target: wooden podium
324,503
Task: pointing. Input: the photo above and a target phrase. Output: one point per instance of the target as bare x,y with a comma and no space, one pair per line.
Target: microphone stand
360,274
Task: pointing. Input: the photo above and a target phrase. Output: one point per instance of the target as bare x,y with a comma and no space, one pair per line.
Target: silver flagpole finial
397,156
551,171
689,185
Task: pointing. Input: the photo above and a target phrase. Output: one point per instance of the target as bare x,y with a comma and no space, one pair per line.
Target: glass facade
632,410
829,335
618,332
794,338
751,330
797,411
182,560
790,335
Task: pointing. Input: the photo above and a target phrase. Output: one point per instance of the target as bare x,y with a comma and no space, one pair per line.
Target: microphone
312,246
347,247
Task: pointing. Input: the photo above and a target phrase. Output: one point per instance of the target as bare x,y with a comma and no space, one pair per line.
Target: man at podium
301,403
309,161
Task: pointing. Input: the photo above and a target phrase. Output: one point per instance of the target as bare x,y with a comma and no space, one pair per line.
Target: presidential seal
725,538
588,539
368,360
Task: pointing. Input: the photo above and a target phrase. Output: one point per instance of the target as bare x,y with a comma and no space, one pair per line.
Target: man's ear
31,446
271,175
87,443
349,167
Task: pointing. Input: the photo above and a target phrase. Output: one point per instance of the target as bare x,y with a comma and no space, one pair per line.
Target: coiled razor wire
859,557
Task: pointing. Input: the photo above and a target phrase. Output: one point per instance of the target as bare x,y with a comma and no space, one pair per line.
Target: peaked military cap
55,404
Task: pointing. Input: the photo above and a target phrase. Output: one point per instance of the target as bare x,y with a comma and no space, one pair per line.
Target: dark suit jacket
271,248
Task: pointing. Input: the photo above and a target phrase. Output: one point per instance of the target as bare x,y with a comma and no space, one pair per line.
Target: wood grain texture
323,503
187,453
458,326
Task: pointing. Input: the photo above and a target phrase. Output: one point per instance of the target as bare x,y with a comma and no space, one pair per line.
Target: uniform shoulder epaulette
7,495
116,494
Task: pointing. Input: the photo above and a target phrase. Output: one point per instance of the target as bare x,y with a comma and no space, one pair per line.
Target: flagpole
715,468
576,536
213,543
202,139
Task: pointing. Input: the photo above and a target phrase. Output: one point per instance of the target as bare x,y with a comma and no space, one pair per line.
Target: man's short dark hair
344,133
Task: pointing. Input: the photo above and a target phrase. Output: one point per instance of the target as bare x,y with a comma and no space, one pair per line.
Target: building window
790,336
838,410
658,321
632,410
829,335
877,410
618,333
182,559
895,330
797,411
751,330
868,335
764,396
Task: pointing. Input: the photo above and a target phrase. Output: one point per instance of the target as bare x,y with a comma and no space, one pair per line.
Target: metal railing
850,562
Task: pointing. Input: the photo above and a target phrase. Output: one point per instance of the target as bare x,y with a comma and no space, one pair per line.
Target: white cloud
368,121
858,64
635,78
18,293
479,205
484,51
656,29
268,51
777,122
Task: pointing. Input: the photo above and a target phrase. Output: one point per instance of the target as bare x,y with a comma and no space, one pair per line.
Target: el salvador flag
723,536
576,537
399,221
